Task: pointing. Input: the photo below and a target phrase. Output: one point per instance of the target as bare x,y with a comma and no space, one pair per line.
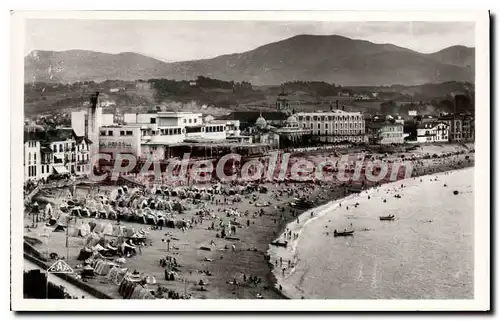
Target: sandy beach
210,267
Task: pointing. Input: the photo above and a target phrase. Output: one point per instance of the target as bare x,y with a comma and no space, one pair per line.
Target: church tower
282,102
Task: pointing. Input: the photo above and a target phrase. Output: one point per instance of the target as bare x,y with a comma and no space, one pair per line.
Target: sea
427,252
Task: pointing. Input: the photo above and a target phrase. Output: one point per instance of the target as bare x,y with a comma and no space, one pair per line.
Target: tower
94,116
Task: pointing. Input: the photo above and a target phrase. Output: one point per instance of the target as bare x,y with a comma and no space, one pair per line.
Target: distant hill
82,65
333,59
456,55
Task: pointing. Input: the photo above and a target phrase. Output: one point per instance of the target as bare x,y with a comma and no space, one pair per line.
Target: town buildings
431,132
461,127
52,152
334,126
156,134
384,132
292,134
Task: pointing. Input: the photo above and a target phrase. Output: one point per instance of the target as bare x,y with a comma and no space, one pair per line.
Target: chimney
343,108
94,99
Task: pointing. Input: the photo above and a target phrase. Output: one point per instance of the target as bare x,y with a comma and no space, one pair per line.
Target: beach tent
85,253
85,212
127,249
76,211
59,228
98,248
84,230
107,229
116,275
129,231
118,230
92,239
103,267
98,227
48,210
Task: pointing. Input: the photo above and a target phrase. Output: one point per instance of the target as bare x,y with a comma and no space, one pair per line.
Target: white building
58,151
385,132
432,132
149,134
334,126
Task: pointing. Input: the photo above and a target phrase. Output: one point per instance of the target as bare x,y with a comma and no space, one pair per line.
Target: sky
190,40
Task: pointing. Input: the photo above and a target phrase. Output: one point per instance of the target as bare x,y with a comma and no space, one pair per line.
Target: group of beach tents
107,239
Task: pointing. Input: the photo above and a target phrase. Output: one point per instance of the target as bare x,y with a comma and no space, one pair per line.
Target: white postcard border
482,168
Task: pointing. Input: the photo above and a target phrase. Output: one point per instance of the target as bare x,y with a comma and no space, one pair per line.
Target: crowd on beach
225,211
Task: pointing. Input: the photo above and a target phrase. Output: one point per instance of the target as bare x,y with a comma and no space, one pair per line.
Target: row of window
345,132
32,171
191,121
29,158
83,157
391,135
64,147
330,118
342,138
214,129
110,133
168,131
337,125
31,143
45,169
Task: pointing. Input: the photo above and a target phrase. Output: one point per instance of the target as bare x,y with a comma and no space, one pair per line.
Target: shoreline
323,209
251,256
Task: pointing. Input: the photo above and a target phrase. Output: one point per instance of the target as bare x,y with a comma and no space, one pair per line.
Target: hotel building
334,126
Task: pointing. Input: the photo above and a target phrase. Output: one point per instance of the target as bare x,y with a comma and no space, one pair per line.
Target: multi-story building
334,126
461,127
144,135
384,132
58,151
432,132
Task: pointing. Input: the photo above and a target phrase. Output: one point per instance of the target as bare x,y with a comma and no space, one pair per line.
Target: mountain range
334,59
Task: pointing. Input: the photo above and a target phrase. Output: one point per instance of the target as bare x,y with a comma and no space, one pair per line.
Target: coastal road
70,288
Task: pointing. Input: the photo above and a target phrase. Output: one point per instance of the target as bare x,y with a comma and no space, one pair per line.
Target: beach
393,259
210,267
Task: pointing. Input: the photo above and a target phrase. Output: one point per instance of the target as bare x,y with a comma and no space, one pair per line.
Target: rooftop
380,124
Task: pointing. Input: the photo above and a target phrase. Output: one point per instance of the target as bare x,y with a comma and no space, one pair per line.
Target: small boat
387,218
344,233
281,244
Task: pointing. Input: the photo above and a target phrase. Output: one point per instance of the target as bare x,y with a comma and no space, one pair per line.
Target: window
152,120
129,133
195,120
184,120
190,120
326,126
103,133
34,157
42,169
122,133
